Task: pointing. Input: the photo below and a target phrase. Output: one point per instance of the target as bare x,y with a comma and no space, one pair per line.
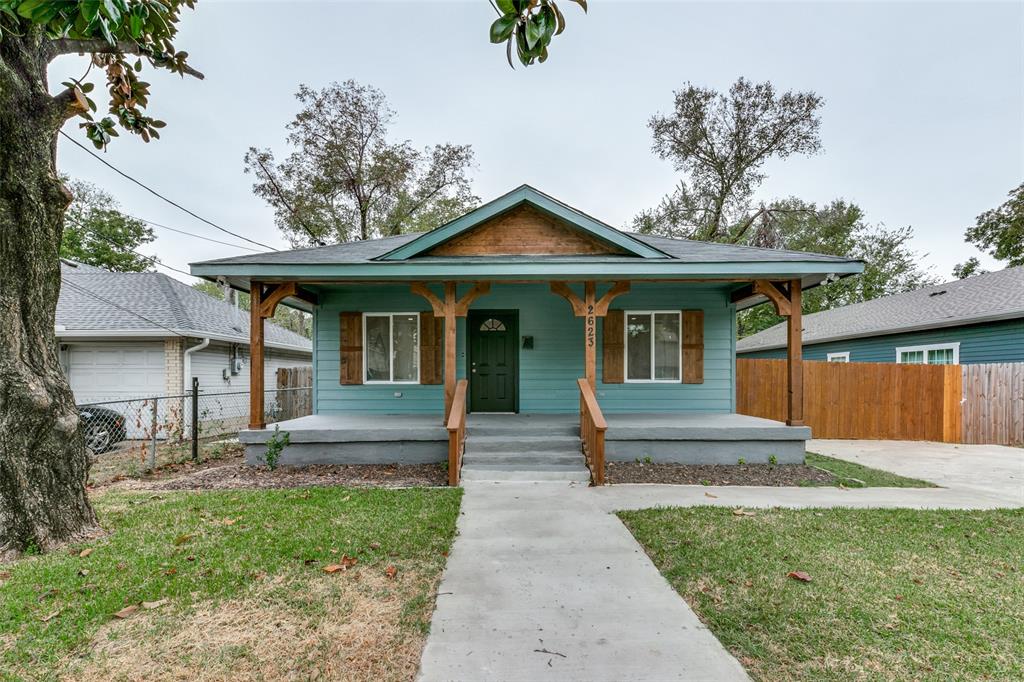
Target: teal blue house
975,320
524,326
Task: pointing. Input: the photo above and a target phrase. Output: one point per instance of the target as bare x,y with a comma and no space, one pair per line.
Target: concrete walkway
545,583
542,584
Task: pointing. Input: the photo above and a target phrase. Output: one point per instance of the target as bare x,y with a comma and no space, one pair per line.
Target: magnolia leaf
742,512
85,552
150,605
799,575
501,29
391,571
534,30
581,3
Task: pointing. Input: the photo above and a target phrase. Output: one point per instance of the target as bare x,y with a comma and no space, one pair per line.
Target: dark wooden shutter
693,346
613,340
431,368
351,348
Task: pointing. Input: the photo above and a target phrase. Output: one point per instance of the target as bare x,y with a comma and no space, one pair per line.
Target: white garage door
100,372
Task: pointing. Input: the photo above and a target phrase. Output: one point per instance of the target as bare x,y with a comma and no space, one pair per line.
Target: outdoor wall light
527,342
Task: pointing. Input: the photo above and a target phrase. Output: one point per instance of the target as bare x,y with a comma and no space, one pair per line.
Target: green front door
493,360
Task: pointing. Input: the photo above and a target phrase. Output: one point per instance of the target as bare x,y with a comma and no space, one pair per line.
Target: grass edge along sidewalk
892,594
244,584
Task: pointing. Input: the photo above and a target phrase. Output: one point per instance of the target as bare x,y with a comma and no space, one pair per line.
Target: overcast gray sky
923,123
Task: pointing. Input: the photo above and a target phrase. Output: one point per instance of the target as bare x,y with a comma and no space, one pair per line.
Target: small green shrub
275,444
773,460
647,459
741,461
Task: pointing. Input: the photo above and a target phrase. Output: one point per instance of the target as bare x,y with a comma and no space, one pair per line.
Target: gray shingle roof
992,296
150,302
683,250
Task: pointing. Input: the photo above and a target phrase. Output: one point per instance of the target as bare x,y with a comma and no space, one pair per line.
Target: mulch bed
242,475
782,475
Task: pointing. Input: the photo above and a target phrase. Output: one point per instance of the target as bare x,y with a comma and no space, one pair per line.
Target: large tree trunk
43,461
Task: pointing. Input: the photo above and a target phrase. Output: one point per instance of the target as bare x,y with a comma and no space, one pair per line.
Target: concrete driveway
990,469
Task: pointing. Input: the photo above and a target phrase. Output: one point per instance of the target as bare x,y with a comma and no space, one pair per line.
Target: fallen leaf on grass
391,571
229,522
171,571
743,512
4,575
799,575
47,618
347,562
85,552
182,539
150,605
127,611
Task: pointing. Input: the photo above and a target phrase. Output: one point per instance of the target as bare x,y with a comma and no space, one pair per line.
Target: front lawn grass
243,576
894,594
854,475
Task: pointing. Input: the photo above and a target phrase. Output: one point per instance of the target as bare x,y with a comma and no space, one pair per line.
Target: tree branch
97,46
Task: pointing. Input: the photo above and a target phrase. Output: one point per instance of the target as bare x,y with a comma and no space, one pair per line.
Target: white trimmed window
839,357
933,354
653,346
391,343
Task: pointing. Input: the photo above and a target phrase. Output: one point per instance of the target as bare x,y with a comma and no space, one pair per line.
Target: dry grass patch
356,625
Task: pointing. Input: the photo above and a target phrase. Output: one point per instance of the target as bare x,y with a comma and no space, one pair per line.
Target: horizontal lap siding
548,372
979,343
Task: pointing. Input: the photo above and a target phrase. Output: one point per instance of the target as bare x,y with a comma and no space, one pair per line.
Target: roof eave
70,334
496,271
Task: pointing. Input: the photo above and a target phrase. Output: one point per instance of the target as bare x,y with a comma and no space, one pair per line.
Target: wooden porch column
256,417
450,309
263,301
590,308
794,357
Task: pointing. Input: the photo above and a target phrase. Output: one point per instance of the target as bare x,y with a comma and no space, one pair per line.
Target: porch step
532,472
560,457
521,443
522,425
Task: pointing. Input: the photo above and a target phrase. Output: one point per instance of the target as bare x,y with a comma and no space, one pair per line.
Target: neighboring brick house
130,335
975,320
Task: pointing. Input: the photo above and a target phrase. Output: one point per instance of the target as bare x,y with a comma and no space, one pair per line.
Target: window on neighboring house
392,347
934,354
839,357
653,346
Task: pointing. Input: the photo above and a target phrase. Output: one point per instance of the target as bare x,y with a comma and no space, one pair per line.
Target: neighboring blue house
975,320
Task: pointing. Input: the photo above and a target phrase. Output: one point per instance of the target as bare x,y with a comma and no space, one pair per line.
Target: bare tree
346,180
721,142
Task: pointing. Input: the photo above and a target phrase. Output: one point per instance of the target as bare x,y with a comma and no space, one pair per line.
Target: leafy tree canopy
969,268
721,141
1000,231
346,179
839,228
289,318
97,233
111,31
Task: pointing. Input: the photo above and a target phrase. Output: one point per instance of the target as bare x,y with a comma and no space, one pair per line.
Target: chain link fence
140,430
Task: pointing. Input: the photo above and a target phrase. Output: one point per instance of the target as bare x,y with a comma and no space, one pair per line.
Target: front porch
686,438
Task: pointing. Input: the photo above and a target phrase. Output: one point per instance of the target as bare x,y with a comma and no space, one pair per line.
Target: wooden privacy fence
886,401
993,408
294,392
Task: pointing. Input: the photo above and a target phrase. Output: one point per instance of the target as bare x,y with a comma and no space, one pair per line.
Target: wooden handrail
457,432
592,428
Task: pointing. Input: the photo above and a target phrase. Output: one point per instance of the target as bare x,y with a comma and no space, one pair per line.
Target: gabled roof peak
525,195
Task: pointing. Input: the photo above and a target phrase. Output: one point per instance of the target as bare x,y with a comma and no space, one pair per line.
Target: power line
157,194
191,234
125,247
87,292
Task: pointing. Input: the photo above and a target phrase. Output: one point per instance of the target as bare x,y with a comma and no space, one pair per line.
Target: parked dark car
103,428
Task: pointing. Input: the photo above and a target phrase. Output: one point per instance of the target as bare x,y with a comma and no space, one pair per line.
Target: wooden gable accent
523,231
